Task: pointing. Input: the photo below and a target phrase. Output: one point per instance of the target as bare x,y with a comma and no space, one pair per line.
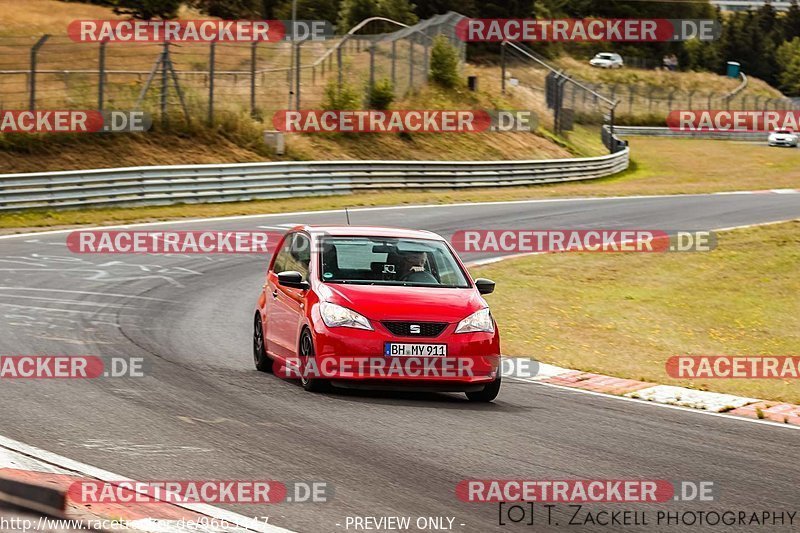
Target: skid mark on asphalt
133,449
86,293
69,301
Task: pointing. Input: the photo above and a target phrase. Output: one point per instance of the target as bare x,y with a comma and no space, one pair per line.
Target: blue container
733,69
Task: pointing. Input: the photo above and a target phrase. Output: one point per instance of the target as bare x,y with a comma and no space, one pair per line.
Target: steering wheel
420,277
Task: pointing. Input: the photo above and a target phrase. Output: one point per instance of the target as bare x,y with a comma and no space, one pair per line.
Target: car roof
368,231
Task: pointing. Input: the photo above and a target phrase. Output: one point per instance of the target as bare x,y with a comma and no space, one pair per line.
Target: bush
381,95
345,99
444,63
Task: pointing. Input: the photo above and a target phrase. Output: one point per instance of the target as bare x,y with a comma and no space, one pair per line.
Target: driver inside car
411,267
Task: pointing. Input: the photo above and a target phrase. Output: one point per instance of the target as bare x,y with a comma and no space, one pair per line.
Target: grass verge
626,314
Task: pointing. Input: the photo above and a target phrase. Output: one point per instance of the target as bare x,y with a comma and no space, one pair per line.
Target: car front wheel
260,357
487,393
310,383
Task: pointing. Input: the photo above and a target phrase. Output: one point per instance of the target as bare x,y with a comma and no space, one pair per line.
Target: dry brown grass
24,18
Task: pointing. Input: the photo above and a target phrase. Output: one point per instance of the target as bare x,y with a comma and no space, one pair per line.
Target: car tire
306,351
487,394
260,357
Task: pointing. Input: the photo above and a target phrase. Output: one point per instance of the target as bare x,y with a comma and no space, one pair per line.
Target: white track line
104,475
364,209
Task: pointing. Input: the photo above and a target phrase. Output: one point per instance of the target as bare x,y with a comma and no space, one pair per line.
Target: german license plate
403,349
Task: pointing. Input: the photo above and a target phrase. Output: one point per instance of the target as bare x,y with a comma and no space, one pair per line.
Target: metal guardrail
164,185
648,131
739,88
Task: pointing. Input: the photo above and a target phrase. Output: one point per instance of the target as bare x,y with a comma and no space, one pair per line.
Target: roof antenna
347,214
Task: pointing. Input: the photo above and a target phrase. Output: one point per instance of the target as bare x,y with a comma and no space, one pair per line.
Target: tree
788,55
146,9
229,9
309,10
351,12
428,8
344,98
95,2
380,95
399,10
791,22
444,63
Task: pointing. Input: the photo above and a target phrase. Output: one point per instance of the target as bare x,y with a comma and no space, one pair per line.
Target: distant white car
783,138
606,60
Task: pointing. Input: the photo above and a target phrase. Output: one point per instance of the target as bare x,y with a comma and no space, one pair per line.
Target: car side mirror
293,279
485,286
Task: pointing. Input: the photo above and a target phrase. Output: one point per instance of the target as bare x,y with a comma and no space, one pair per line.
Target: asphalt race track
204,412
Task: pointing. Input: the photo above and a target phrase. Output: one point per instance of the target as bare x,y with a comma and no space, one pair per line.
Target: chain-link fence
575,105
200,81
574,109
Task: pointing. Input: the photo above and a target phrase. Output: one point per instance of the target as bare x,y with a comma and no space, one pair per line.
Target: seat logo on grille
414,328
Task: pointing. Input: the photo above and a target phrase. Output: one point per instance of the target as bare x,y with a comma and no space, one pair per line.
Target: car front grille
426,329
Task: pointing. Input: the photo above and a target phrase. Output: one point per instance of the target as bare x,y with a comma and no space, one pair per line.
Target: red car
376,308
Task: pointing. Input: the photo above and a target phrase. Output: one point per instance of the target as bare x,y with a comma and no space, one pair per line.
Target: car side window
299,255
282,255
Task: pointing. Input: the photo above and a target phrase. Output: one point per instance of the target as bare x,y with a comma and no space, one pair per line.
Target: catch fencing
203,81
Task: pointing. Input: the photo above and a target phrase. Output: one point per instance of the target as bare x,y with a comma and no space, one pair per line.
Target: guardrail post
411,63
503,67
339,66
253,52
212,53
297,77
32,74
612,141
101,83
164,83
394,63
631,93
425,61
371,66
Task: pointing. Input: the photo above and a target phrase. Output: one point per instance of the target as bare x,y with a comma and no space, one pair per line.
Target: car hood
404,303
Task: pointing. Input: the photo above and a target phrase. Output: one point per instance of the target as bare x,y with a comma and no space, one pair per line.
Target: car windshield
390,261
604,56
785,132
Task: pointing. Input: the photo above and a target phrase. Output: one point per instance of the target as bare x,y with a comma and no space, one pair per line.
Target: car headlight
477,321
337,316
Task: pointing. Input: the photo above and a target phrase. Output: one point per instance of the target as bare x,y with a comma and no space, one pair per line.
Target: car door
272,309
288,304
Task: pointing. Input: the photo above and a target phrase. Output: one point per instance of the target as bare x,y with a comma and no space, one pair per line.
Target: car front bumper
357,354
